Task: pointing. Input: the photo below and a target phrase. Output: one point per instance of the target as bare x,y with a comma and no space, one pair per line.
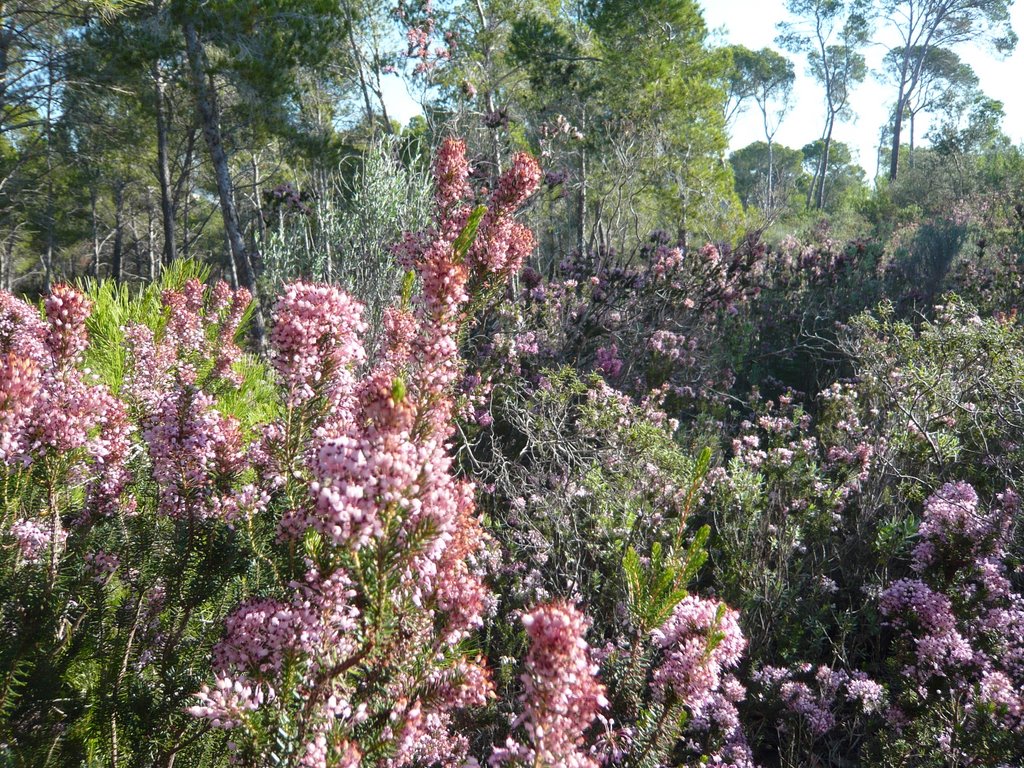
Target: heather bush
938,401
653,321
589,497
215,560
573,472
956,617
117,482
773,505
470,513
813,518
786,338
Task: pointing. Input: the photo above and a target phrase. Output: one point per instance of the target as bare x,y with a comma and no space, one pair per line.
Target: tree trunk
488,94
261,222
150,238
6,254
209,117
95,234
897,125
48,254
826,149
358,56
118,256
581,210
164,168
813,188
5,47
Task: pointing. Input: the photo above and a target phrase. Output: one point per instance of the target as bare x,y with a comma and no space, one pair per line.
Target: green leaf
468,234
696,554
408,284
398,389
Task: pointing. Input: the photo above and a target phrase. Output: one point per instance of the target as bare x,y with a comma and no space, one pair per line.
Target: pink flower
33,538
451,172
315,341
607,361
66,312
700,640
195,452
561,694
228,702
19,385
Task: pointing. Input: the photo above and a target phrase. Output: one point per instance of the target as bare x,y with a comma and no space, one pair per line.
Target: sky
753,23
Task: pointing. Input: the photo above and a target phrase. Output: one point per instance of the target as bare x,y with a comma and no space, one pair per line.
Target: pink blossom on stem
700,639
19,384
66,312
33,539
561,693
315,340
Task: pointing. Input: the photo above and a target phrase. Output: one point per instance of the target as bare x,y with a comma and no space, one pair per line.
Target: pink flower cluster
19,383
953,529
373,475
502,243
230,306
66,312
196,451
227,703
700,640
33,539
315,629
961,618
674,346
47,406
1005,697
202,324
608,362
102,565
561,694
941,650
817,695
315,341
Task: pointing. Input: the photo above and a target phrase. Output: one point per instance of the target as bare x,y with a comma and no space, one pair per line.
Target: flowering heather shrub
358,651
561,695
652,322
805,707
785,338
957,621
688,713
777,509
939,401
570,470
104,612
574,474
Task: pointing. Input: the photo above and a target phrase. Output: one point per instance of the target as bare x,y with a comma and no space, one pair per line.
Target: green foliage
367,203
751,170
465,239
945,393
654,590
580,478
117,305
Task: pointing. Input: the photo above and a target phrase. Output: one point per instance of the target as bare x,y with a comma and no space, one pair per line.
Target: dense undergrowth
730,505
